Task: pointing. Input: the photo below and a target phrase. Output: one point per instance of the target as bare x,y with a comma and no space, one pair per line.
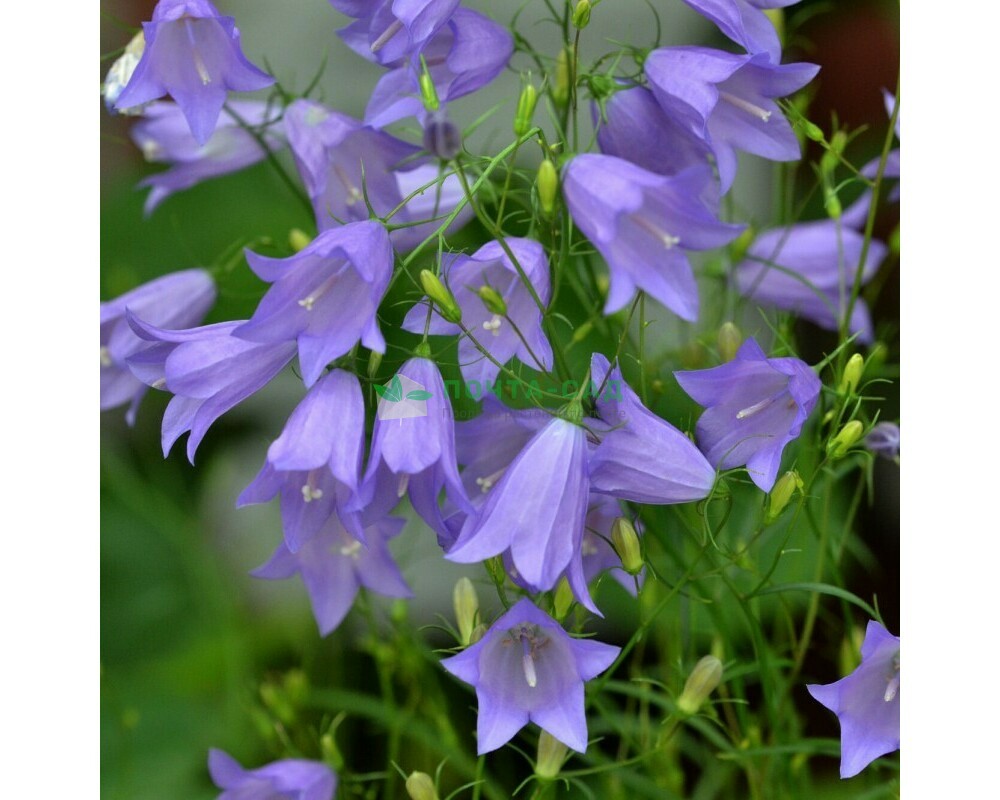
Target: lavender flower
643,224
315,464
499,334
288,779
745,22
334,566
178,300
728,100
163,136
208,370
193,54
866,702
883,440
755,405
527,669
389,31
325,297
809,269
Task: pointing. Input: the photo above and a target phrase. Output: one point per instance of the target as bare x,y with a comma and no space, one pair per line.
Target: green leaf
418,394
822,588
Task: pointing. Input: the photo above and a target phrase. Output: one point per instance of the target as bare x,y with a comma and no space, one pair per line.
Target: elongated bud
374,362
547,185
581,15
626,542
742,243
428,94
441,137
563,600
525,109
581,332
551,756
852,374
831,158
420,786
466,603
478,633
810,129
331,753
703,680
842,442
730,340
444,299
298,240
832,205
561,87
492,299
782,492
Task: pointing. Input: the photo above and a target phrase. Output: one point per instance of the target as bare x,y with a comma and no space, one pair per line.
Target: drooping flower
643,224
809,269
178,300
857,213
642,457
490,266
745,22
883,440
288,779
728,100
324,297
334,566
754,406
528,669
163,136
207,369
315,464
193,54
389,31
866,702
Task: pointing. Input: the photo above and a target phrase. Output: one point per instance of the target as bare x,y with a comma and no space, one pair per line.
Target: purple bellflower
728,100
193,54
207,369
528,669
289,779
316,462
866,702
755,405
389,31
809,269
745,22
857,213
178,300
883,440
642,457
500,335
325,297
163,136
334,566
643,224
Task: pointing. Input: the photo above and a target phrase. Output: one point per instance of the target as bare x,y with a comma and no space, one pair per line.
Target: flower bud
831,158
441,137
782,492
374,362
551,755
493,300
444,299
525,109
741,244
478,633
842,442
466,603
420,786
563,600
729,341
832,205
626,542
428,94
704,679
852,374
811,130
298,239
581,14
581,332
547,186
561,87
331,753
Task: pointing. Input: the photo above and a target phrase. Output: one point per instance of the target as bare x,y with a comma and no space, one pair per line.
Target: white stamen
317,293
749,411
309,490
354,194
747,106
351,550
199,64
528,661
486,483
588,548
892,689
493,324
307,302
105,357
386,35
404,482
669,240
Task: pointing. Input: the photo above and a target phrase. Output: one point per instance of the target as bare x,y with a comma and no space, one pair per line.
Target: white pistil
749,411
308,301
386,35
493,324
351,550
105,357
404,482
892,688
309,490
588,547
744,105
354,195
669,240
199,64
528,661
486,483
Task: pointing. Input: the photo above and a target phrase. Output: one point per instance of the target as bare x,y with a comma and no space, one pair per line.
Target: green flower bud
832,205
478,633
561,85
428,94
547,186
729,341
742,243
581,332
626,542
437,292
704,679
810,129
842,442
525,109
852,374
466,603
330,751
581,15
374,362
420,786
563,600
831,158
298,239
781,493
493,300
551,756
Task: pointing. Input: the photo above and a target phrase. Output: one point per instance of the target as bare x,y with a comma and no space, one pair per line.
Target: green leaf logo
392,393
418,394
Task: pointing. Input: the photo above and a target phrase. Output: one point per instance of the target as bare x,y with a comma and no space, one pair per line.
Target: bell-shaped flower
537,509
883,440
324,297
642,457
866,702
288,779
728,100
528,669
809,269
644,224
517,332
745,22
193,54
315,464
389,31
163,136
334,566
207,369
179,300
754,406
856,215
